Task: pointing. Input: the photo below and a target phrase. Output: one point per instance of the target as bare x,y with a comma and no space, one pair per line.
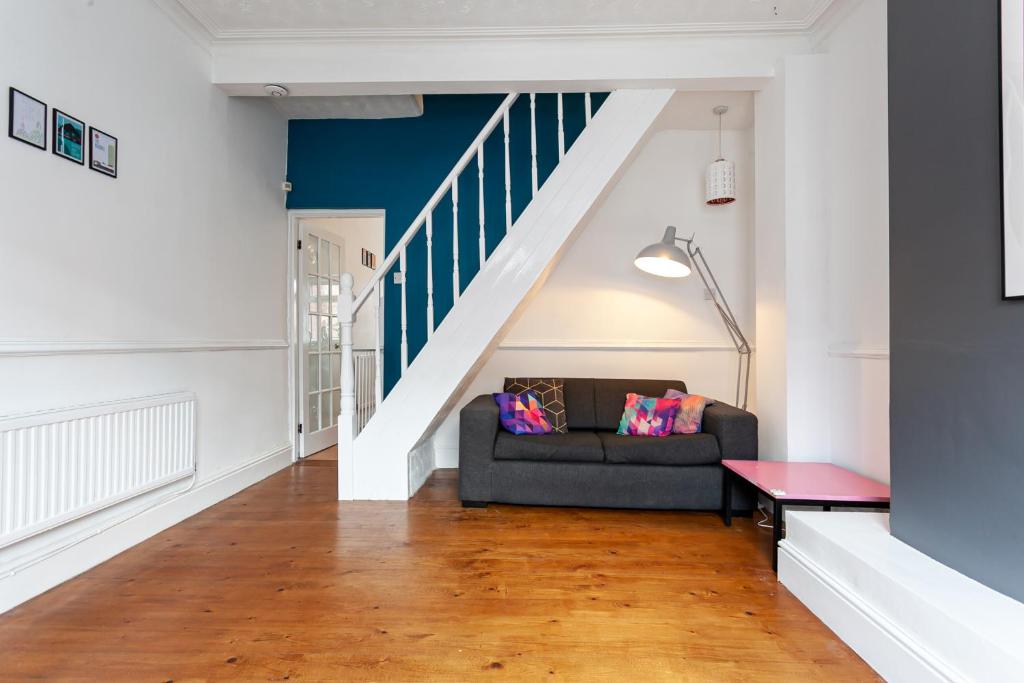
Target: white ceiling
226,19
693,111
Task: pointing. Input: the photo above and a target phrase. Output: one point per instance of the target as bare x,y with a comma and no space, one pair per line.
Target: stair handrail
417,223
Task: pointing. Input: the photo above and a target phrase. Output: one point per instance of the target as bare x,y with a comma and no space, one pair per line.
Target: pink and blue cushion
691,411
522,413
647,416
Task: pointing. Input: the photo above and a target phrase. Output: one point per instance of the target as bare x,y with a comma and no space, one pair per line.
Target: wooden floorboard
283,582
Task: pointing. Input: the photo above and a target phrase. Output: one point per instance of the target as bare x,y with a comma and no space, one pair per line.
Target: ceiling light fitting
720,181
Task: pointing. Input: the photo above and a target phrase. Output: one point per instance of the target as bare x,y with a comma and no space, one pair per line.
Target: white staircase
374,464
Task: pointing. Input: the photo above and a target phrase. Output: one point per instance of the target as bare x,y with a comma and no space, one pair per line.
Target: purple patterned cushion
644,416
522,413
691,411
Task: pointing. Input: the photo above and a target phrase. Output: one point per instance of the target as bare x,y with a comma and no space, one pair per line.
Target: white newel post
346,419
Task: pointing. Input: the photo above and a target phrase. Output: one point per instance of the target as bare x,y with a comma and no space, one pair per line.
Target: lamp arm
732,326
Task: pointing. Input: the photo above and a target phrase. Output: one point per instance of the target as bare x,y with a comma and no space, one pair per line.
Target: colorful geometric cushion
522,413
551,393
644,416
691,411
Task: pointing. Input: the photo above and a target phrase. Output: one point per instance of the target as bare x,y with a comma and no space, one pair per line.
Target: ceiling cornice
204,28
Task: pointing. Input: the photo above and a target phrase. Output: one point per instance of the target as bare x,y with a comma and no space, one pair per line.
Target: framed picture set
369,259
26,119
1012,87
102,152
68,137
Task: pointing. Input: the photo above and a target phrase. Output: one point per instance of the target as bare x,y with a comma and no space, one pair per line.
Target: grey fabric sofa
591,466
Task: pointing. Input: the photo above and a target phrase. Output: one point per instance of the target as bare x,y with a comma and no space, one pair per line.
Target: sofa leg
474,503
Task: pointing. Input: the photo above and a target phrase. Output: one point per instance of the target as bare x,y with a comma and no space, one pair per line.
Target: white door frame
294,320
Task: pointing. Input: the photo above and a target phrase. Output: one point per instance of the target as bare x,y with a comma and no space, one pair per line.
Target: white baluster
455,239
430,274
346,419
378,356
405,339
587,108
561,130
533,141
508,177
480,176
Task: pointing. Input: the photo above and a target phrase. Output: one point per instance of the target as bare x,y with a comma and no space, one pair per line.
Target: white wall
857,155
822,250
186,247
598,316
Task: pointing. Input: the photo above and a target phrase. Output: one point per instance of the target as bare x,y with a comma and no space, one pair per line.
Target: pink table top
809,481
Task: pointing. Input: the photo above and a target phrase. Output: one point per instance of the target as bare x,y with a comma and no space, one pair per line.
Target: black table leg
727,496
776,534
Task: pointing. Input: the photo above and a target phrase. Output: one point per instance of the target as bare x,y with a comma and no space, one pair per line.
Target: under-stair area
374,462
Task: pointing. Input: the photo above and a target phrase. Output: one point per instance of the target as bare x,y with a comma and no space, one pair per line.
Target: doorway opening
330,243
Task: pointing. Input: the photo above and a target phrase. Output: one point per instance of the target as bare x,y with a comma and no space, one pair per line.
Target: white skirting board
56,568
910,617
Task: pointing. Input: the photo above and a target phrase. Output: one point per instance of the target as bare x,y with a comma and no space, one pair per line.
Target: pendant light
721,176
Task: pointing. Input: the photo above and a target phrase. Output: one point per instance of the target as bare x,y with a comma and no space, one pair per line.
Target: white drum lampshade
720,187
721,182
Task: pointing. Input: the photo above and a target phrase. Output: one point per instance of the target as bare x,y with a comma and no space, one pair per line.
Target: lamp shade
720,185
664,258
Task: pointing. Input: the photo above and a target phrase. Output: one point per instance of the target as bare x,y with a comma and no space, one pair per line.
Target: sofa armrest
478,428
735,429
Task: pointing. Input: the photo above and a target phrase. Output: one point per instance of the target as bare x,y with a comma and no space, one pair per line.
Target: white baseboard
909,616
879,642
22,585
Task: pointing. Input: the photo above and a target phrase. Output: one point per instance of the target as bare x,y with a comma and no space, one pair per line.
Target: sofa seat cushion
574,446
676,449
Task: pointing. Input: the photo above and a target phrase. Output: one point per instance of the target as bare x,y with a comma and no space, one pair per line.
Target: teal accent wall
397,164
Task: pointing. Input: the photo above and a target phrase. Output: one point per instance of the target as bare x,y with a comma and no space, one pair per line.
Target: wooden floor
282,582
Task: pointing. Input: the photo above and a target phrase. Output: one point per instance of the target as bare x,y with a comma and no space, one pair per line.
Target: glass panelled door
322,260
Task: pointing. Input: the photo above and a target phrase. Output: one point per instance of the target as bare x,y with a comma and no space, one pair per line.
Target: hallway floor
283,582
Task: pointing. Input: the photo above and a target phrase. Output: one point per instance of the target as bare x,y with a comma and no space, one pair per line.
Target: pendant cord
719,136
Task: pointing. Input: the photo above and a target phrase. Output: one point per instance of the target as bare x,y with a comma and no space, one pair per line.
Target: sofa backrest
598,403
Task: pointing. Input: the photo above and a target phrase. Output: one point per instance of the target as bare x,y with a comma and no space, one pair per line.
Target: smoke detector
276,90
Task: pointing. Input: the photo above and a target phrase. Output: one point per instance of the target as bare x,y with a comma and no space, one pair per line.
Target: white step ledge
909,616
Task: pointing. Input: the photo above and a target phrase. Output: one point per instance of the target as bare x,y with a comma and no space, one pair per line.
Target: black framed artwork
1012,131
102,152
26,119
68,137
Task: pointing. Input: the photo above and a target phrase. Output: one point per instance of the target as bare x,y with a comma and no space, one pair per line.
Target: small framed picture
68,137
102,152
27,119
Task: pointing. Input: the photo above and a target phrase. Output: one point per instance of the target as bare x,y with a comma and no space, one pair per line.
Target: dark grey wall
957,401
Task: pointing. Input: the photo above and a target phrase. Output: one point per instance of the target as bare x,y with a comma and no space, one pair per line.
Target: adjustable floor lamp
666,259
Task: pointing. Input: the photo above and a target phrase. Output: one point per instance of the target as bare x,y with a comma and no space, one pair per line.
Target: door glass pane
327,415
325,291
335,333
324,257
335,293
325,373
313,373
335,370
324,333
313,414
335,260
311,293
311,253
312,332
336,397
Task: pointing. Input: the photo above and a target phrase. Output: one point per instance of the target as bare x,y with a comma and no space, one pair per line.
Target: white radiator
57,466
